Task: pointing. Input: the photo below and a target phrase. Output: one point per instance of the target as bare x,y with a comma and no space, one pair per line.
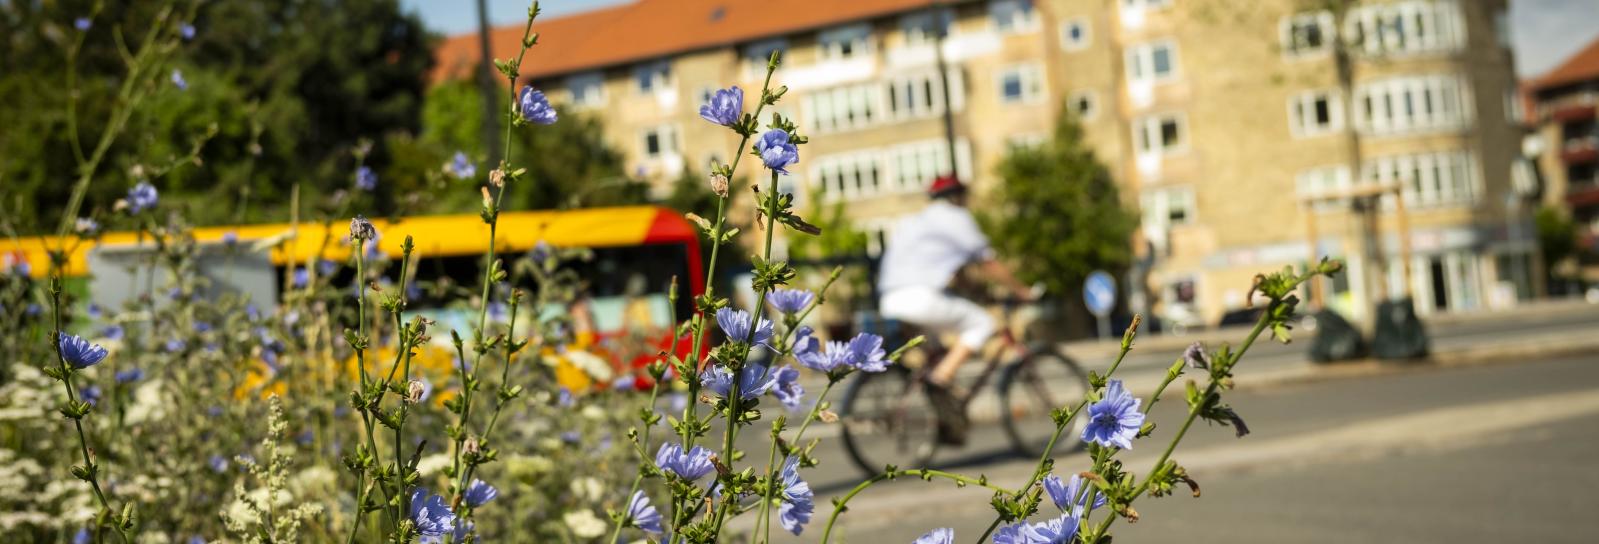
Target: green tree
570,163
1557,236
1057,212
290,86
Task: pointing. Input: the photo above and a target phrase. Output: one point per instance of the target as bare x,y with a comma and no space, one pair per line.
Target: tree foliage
1058,212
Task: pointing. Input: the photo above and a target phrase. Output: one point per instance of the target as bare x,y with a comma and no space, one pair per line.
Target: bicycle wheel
887,419
1029,390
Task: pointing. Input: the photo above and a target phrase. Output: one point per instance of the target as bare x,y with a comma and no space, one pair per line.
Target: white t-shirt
930,246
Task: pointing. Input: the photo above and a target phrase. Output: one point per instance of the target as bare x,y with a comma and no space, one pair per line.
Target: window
1160,134
652,77
1156,61
1406,27
848,176
1012,16
924,27
757,54
1314,113
1145,3
921,95
587,89
1426,179
842,108
846,42
1074,34
1306,33
1323,181
1020,84
917,164
660,141
1083,104
1030,140
1412,103
1168,207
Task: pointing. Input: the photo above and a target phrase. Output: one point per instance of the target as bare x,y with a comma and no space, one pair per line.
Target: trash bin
1336,339
1400,333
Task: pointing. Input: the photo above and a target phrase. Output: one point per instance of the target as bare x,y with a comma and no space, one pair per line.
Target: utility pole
939,30
487,86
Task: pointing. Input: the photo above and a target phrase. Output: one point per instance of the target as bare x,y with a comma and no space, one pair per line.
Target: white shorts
937,311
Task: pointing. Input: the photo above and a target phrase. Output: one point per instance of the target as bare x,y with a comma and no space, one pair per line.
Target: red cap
945,185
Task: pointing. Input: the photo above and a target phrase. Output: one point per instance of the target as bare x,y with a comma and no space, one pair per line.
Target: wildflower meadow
339,413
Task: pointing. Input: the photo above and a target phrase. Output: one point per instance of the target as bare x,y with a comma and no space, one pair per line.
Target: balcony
1582,195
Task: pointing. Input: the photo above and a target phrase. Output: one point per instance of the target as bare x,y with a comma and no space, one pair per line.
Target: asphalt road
1498,453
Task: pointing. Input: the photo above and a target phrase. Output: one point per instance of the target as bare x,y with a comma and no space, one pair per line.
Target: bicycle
888,418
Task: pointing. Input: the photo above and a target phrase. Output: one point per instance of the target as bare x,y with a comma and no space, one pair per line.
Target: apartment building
1218,118
1565,112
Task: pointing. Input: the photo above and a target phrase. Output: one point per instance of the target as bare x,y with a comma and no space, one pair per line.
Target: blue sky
1545,31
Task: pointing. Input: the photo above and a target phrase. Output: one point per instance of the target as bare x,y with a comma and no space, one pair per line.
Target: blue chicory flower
1115,419
725,106
1055,531
534,107
1071,496
302,277
90,394
786,387
753,381
736,325
462,530
691,465
202,326
176,345
835,355
178,81
432,515
83,24
326,267
111,332
937,536
479,493
130,375
80,353
93,310
196,539
230,238
790,301
21,268
643,515
33,310
867,352
365,178
218,464
141,197
186,30
461,167
798,501
776,151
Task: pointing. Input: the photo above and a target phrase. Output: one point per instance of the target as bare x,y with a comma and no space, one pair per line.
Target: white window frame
918,95
917,27
1413,104
1158,204
1066,41
1370,29
1142,55
848,107
1321,181
1030,78
1148,129
757,54
1093,104
657,73
1020,16
667,139
830,42
1432,179
1302,112
1145,4
1322,20
591,80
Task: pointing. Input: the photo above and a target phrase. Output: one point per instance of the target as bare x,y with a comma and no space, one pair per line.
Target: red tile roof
648,29
1582,66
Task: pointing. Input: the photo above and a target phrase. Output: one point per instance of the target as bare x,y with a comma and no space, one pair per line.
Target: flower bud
470,447
488,199
361,229
497,177
414,393
719,185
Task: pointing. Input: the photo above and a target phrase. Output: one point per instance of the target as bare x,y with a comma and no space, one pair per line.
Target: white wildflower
584,524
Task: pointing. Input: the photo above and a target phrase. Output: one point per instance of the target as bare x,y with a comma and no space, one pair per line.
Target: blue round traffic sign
1099,293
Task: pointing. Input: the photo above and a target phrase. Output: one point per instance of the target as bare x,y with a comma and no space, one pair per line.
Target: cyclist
925,252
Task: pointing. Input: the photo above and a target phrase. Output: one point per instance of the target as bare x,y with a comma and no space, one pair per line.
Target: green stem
827,534
92,471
